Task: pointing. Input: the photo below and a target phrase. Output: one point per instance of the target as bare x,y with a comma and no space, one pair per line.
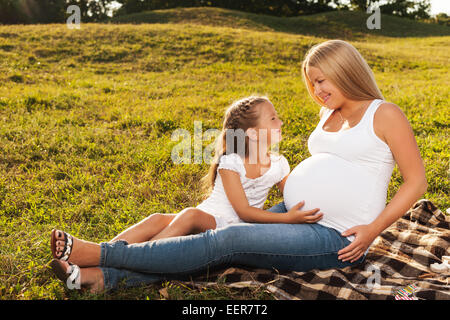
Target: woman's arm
400,139
398,134
236,195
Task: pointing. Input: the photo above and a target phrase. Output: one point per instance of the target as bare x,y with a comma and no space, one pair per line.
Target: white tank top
347,175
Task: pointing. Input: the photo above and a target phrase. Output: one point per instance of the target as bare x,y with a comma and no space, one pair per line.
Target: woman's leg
278,208
146,229
98,280
191,220
188,221
112,278
198,251
88,253
91,279
298,247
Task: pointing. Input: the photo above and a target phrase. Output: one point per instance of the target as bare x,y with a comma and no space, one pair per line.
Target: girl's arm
399,136
281,184
236,195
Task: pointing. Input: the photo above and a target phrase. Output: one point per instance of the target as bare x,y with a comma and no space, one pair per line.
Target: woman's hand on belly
364,236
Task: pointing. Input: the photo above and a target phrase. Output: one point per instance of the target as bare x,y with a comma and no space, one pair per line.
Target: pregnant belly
342,190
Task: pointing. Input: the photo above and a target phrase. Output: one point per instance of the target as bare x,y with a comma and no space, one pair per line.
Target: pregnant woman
354,148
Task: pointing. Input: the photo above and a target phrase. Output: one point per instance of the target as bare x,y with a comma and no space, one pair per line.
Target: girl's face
325,89
269,125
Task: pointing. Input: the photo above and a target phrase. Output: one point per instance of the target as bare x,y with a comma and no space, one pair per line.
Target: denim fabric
297,247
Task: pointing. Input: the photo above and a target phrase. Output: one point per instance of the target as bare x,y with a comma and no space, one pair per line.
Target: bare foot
83,253
91,279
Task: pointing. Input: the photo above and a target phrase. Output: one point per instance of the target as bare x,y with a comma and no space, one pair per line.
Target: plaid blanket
398,260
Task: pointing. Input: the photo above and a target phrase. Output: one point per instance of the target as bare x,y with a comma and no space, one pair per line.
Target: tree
91,10
9,13
271,7
362,4
415,9
423,9
442,18
407,8
50,11
31,11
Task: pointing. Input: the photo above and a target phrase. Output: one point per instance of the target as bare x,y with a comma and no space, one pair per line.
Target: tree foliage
271,7
50,11
415,9
53,11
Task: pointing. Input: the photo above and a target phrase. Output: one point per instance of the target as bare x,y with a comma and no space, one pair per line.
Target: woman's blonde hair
344,66
242,114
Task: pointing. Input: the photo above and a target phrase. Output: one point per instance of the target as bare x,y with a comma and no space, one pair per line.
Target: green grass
87,115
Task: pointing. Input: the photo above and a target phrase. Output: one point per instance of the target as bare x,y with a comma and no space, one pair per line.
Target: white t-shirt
256,190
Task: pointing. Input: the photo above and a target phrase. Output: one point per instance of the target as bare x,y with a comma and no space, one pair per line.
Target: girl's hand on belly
364,236
295,215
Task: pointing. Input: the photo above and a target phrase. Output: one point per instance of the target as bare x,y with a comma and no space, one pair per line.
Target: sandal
443,268
71,276
68,239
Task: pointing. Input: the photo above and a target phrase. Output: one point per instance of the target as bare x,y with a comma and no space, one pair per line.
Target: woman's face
325,89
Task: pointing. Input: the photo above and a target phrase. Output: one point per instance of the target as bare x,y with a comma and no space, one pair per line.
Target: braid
241,112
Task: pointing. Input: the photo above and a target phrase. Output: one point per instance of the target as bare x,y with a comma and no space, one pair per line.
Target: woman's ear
252,134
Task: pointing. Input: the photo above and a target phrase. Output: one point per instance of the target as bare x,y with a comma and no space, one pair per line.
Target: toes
60,243
59,247
58,252
59,235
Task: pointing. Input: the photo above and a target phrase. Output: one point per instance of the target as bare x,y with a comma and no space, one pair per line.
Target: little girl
240,177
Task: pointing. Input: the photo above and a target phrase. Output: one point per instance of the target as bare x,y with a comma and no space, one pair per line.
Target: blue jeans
295,247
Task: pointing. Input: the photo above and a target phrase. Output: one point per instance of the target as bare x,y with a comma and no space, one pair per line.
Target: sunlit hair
344,66
242,114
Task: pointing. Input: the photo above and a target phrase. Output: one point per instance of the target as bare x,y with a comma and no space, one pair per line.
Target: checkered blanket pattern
401,255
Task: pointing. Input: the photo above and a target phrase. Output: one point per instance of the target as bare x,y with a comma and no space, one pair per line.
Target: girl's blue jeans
295,247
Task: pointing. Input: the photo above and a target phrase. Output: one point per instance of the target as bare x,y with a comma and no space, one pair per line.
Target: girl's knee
154,217
158,218
197,220
191,214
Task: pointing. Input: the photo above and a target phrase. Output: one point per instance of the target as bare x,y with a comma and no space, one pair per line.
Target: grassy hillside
86,118
335,24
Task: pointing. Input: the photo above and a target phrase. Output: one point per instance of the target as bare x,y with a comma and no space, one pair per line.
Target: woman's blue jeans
295,247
